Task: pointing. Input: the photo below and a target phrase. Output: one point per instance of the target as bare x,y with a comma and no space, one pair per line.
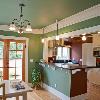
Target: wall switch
31,60
55,85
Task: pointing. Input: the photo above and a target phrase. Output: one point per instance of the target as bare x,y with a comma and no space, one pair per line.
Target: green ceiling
42,12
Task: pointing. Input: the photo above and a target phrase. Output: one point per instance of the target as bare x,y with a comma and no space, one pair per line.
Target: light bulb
98,32
42,40
83,38
12,27
28,28
20,30
57,37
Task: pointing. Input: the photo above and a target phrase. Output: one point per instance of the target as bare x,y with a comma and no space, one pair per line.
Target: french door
12,59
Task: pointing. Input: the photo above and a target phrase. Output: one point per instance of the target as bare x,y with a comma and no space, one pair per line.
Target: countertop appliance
96,51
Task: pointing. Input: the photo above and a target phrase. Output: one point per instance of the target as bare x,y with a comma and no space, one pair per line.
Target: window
63,53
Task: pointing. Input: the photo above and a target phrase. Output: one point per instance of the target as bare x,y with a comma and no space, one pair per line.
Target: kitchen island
68,79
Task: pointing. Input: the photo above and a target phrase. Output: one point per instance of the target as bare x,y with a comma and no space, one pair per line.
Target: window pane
19,54
1,72
11,73
1,62
1,45
59,52
20,46
66,53
18,62
12,45
12,62
1,53
19,73
12,54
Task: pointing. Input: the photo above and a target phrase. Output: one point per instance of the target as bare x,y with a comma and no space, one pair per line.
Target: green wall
34,48
60,77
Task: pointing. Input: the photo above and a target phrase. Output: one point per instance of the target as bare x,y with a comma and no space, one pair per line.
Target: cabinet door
87,55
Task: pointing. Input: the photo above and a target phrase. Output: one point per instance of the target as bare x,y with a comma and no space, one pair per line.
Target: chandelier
20,25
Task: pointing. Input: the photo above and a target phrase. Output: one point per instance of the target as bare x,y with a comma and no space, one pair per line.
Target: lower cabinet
78,83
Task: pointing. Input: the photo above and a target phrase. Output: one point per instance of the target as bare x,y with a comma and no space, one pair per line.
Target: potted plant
36,76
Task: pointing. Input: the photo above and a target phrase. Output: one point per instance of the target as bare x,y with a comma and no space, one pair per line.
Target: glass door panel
12,62
11,73
19,63
16,50
1,59
19,73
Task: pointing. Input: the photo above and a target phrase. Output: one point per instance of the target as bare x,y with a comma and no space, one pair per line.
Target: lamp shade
12,27
83,38
57,37
28,28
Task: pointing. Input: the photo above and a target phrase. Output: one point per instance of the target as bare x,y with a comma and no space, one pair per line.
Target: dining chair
3,92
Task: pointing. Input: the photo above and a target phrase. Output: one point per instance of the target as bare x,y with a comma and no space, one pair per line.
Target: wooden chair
3,95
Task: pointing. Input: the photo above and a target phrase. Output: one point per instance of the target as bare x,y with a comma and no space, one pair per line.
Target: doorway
12,59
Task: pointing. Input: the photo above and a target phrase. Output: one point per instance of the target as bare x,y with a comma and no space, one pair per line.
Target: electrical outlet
55,85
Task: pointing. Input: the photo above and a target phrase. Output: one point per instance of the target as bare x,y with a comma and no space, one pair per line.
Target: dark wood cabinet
78,83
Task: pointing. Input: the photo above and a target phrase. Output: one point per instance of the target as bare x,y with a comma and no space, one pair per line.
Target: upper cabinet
96,40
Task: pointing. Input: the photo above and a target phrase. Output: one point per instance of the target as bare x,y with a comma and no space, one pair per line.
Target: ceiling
42,12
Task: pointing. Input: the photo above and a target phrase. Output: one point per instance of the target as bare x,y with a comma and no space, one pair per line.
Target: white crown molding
34,31
76,18
77,32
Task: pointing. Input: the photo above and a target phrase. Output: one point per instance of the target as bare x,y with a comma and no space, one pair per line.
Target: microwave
96,52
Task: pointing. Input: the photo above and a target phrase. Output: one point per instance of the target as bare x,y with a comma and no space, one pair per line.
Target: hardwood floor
39,95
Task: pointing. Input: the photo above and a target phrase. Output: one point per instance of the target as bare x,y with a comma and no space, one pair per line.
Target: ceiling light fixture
20,24
57,37
98,32
84,38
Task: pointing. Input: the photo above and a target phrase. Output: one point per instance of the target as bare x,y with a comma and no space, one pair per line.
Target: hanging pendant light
57,37
42,40
84,38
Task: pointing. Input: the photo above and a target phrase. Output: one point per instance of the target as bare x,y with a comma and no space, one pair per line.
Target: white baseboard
79,97
61,95
55,92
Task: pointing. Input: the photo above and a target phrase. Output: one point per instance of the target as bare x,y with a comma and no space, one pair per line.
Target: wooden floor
39,95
